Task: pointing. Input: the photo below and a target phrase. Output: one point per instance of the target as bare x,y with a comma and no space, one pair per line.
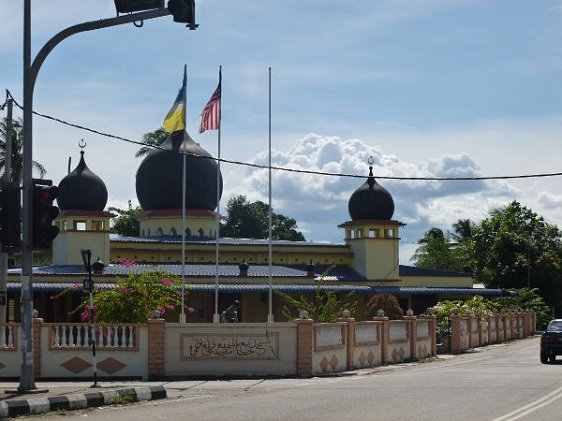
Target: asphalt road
498,383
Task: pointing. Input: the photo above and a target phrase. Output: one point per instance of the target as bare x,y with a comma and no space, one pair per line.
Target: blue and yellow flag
175,119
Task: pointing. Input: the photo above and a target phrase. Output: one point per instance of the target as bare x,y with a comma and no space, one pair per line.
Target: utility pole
30,72
5,180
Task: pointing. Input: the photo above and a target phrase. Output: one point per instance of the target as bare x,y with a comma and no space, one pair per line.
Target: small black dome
370,201
82,189
159,177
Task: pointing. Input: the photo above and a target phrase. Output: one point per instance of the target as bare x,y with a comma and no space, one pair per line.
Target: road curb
33,406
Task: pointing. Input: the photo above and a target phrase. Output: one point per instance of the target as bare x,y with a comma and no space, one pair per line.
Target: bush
132,300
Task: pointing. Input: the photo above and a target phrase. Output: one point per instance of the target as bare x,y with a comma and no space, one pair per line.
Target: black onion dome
82,189
370,201
159,177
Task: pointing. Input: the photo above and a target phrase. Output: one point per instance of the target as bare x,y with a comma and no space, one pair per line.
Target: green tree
462,243
251,220
17,151
516,248
436,252
125,223
151,139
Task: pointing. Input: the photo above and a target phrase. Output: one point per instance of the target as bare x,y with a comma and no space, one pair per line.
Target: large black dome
82,189
370,201
159,177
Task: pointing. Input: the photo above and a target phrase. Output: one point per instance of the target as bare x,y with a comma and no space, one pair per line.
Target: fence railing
79,336
8,336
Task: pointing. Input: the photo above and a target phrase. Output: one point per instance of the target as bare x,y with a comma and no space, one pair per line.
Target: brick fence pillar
455,345
37,325
525,323
305,346
384,338
349,339
156,346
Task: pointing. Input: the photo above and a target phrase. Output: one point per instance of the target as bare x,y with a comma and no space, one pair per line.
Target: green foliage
151,139
443,311
526,299
325,306
516,248
17,151
251,220
126,223
132,300
388,303
436,251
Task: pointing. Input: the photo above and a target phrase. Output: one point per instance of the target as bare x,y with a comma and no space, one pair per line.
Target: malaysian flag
210,117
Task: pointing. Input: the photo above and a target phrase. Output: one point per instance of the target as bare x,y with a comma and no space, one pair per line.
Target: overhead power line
293,170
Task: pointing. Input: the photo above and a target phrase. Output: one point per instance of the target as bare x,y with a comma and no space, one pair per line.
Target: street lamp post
30,72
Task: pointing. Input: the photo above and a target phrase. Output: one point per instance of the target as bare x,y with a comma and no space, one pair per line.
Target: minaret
371,233
82,221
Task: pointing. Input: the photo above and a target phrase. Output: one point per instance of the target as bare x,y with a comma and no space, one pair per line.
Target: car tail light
547,339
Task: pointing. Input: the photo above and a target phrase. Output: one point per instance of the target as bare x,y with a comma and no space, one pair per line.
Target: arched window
188,233
201,232
173,232
159,232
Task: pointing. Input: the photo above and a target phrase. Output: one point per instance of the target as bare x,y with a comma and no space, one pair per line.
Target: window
80,225
159,232
173,232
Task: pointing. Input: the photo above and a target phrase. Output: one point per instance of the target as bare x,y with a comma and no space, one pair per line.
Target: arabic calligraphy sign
230,346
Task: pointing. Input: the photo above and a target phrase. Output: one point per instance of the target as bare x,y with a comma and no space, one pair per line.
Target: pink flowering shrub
132,299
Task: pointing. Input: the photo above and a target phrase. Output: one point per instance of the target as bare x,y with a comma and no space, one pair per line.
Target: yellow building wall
77,233
437,282
376,258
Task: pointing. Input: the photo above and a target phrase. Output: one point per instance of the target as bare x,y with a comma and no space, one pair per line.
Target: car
551,341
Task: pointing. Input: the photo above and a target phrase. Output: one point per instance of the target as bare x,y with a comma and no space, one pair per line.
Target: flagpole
270,254
217,235
183,198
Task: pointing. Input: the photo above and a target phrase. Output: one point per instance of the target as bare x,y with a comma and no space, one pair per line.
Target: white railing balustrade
79,335
7,337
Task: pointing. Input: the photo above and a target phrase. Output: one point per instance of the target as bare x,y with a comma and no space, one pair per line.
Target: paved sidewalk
53,396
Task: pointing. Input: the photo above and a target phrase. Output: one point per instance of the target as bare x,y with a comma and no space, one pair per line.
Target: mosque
367,262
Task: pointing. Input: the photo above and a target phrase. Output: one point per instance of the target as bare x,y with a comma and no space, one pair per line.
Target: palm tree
151,139
17,151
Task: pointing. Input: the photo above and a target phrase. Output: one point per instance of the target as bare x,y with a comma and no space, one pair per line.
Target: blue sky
426,87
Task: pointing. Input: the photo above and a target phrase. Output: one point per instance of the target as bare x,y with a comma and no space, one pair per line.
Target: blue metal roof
337,272
361,289
166,239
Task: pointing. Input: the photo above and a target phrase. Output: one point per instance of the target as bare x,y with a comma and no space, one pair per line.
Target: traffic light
183,11
130,6
10,217
43,215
